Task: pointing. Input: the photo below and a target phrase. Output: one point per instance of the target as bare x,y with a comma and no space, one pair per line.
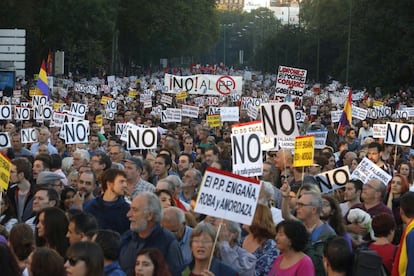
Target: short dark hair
296,232
383,224
357,184
213,148
407,204
166,157
110,242
23,165
375,145
56,161
189,156
52,194
338,253
109,176
104,159
84,222
46,160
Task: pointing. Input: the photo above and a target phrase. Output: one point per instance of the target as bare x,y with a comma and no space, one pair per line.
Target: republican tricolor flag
42,84
346,117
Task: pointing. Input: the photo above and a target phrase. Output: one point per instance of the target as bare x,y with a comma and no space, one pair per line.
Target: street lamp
224,41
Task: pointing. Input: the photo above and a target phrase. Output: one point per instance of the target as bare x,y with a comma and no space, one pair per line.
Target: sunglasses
73,261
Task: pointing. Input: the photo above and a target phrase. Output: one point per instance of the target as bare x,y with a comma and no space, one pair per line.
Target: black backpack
367,262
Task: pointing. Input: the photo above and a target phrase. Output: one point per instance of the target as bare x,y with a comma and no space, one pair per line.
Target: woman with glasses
202,247
84,259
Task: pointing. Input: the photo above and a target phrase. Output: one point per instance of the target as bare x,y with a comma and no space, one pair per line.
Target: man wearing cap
133,171
50,180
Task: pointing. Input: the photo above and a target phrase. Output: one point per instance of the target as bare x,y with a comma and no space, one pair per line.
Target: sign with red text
229,196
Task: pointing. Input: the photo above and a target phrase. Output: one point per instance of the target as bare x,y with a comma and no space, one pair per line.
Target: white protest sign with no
247,154
28,135
333,179
255,126
142,138
399,134
76,133
279,119
366,170
226,195
5,141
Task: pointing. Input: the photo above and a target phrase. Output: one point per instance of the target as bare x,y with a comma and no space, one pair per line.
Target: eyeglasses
300,204
73,261
272,155
284,176
202,241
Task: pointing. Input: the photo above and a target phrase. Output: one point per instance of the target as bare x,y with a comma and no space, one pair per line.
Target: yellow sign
132,94
34,92
5,166
58,106
99,119
181,96
104,99
214,120
377,103
304,148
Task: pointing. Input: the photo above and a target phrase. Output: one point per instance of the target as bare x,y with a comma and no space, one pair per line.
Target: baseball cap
46,177
135,160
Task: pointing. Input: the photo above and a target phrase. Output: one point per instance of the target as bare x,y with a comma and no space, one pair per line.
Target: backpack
367,262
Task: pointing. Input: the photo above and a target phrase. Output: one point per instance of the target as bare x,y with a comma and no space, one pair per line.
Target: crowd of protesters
97,208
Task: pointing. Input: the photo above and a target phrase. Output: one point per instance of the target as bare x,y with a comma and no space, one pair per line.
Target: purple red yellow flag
346,117
42,84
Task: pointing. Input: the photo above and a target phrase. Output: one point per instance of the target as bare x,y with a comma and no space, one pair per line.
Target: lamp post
348,51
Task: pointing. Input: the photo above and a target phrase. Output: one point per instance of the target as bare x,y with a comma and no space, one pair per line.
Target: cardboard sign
359,113
226,195
142,138
21,113
303,153
42,112
124,135
213,120
279,120
119,128
290,83
366,170
247,154
399,134
333,179
39,100
336,116
78,110
99,120
5,112
111,105
5,167
104,99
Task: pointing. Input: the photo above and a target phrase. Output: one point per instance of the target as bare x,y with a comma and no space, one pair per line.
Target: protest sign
290,83
5,141
119,128
203,84
334,179
366,170
399,134
28,135
303,153
279,119
5,167
379,130
229,114
336,116
5,112
226,195
21,113
359,113
142,138
213,120
126,128
247,154
252,112
189,111
78,110
76,133
320,137
254,126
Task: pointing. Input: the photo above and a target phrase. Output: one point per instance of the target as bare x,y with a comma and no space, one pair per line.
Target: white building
287,11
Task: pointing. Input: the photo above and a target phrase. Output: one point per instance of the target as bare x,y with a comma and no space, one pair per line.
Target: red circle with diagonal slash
222,81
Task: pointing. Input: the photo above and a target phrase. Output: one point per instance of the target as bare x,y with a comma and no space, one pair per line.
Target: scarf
401,260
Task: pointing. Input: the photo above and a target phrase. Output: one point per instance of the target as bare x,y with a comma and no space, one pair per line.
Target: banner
229,196
203,84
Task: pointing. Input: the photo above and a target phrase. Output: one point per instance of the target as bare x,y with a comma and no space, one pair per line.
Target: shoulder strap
316,232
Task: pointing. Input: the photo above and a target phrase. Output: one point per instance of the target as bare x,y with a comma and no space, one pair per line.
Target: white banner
359,113
399,134
226,195
229,114
320,137
142,138
379,130
189,111
279,120
336,116
28,135
76,133
203,84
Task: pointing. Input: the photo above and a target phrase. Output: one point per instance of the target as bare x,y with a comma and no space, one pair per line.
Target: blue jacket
110,214
159,238
113,270
217,267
